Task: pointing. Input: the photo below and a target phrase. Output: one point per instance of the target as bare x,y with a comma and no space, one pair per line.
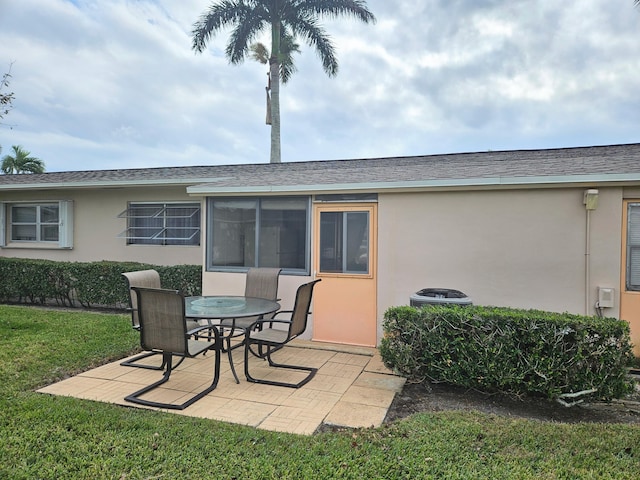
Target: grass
49,437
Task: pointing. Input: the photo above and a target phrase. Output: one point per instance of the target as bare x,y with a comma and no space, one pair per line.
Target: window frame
64,224
342,238
633,229
257,231
161,212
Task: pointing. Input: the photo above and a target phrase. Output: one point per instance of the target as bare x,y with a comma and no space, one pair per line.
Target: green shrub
519,352
89,284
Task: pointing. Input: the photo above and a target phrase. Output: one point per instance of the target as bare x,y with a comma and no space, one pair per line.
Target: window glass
233,224
633,247
357,241
163,224
24,214
259,232
49,214
35,223
331,242
344,242
182,225
49,233
23,233
283,233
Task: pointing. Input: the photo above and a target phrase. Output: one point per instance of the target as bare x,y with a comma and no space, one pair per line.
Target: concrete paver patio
351,389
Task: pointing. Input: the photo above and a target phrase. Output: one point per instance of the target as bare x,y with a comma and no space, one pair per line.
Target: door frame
345,279
629,299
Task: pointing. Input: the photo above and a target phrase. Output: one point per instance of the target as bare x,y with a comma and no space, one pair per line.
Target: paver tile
266,394
293,420
207,407
73,386
351,359
376,365
243,412
355,415
312,400
378,380
111,392
341,370
369,396
110,371
329,383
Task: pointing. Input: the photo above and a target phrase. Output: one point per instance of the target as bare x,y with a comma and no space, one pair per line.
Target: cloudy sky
103,84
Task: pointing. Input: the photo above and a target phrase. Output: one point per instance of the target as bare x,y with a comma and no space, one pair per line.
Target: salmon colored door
345,302
630,281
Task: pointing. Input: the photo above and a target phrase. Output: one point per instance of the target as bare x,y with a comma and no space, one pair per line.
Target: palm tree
298,18
21,162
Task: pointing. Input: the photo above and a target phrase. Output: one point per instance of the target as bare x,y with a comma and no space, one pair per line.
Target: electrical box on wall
606,297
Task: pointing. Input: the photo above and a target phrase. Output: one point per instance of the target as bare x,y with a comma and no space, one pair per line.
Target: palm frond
335,8
309,28
259,53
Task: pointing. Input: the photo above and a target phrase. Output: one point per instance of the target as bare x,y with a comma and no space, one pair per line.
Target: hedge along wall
88,284
521,352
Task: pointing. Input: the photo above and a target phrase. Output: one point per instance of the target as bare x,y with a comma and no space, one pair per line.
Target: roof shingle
565,162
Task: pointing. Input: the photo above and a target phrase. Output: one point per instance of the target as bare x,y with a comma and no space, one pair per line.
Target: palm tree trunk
274,70
275,112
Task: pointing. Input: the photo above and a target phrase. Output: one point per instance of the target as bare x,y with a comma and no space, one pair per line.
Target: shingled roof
599,165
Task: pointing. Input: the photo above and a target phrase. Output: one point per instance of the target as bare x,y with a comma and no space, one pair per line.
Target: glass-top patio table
218,307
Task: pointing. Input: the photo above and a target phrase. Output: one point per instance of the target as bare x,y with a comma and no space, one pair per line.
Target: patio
351,389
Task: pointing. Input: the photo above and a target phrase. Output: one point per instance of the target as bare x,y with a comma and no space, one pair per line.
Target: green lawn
64,438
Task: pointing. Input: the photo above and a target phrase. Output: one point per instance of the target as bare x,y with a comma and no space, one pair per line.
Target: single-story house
555,229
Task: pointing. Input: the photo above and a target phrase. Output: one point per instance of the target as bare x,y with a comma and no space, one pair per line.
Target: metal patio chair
163,330
260,283
145,279
270,338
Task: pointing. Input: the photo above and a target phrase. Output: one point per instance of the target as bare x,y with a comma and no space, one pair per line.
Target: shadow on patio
351,389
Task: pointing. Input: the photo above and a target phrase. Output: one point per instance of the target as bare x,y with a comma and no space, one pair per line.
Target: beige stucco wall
96,227
632,192
519,248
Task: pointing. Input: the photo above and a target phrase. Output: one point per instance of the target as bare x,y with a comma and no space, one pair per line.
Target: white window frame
65,225
157,234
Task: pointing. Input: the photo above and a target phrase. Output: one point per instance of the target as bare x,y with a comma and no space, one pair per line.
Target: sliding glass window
258,232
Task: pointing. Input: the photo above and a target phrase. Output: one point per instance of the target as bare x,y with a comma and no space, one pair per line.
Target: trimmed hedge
518,352
89,284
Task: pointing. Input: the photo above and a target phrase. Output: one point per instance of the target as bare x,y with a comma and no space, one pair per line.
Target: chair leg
233,368
270,349
167,359
132,362
227,348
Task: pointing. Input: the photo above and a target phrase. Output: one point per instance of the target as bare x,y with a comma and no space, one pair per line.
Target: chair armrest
194,332
270,320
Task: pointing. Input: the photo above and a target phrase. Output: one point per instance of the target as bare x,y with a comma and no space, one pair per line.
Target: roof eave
109,184
430,185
